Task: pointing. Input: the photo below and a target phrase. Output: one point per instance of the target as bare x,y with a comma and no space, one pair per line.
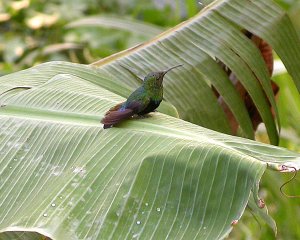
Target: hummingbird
143,100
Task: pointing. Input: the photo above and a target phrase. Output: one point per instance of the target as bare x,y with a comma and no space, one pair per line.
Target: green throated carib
143,100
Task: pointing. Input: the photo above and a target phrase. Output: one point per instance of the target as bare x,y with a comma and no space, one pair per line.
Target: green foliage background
37,31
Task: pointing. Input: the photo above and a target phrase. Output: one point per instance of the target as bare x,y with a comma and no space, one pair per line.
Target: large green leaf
216,33
65,177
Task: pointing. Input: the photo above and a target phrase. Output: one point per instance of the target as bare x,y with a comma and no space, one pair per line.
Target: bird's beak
169,69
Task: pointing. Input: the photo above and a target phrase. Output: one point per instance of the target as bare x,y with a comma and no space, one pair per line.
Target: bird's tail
113,117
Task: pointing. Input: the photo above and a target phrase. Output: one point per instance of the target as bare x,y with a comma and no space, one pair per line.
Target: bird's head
156,78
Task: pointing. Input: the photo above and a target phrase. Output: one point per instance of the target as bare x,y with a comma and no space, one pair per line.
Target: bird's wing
117,114
138,105
138,100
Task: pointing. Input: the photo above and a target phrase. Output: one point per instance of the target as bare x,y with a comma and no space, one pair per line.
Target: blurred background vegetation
36,31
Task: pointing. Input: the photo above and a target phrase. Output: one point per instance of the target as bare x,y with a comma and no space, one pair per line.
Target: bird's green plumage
151,92
143,100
